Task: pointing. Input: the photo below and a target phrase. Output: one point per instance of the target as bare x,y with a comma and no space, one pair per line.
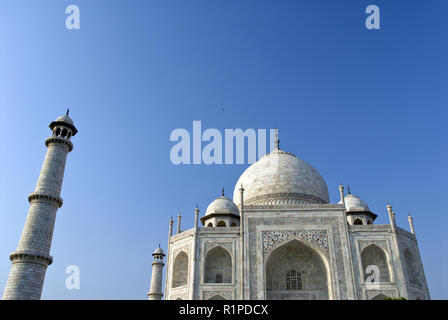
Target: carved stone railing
36,196
29,256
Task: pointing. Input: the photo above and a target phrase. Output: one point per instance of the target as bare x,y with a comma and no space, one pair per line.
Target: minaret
155,292
30,260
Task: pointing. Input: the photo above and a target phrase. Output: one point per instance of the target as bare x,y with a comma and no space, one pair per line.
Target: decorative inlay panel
365,243
180,296
228,295
209,245
186,249
269,220
316,237
284,198
373,293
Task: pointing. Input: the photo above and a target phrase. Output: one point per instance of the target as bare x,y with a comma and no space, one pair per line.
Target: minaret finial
223,191
277,141
68,111
348,189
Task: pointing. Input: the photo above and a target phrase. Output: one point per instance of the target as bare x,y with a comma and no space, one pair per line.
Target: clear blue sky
367,108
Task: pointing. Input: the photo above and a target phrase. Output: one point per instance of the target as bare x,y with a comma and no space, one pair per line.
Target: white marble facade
280,238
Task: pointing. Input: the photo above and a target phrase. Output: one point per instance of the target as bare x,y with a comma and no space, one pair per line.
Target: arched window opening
58,131
210,225
357,222
221,224
369,222
412,268
64,133
287,269
293,280
371,257
218,266
233,224
180,270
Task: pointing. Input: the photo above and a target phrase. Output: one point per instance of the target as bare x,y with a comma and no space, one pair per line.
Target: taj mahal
279,237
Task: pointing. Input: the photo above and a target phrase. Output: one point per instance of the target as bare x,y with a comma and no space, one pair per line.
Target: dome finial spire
68,111
348,189
223,191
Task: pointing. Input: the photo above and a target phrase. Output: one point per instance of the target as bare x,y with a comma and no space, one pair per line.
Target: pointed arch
218,266
297,270
180,270
217,297
380,297
412,268
373,255
221,224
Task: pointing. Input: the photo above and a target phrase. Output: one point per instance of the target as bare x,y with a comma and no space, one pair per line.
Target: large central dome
281,178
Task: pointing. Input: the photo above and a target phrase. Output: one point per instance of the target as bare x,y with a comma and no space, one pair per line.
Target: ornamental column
179,217
155,291
195,254
411,224
30,260
242,260
168,249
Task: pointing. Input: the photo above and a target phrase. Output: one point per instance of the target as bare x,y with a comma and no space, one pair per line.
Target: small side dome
222,205
66,121
65,118
158,251
355,204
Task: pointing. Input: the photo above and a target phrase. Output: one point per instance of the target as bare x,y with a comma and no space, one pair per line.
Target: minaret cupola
358,212
222,212
63,127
